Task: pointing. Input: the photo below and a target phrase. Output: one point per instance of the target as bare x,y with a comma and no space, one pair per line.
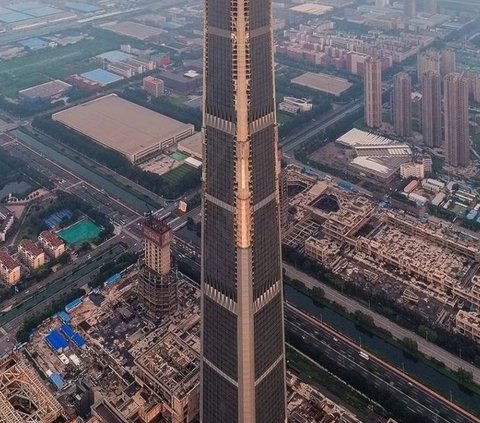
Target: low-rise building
171,369
6,222
468,324
52,244
154,86
294,105
31,254
9,269
412,170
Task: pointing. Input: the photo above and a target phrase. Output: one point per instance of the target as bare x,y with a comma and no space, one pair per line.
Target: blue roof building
56,341
75,303
57,381
64,316
112,279
73,336
102,77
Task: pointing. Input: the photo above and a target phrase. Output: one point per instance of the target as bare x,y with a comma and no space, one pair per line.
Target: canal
115,191
415,368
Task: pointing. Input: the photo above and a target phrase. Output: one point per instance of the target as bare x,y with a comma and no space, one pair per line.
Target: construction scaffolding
23,397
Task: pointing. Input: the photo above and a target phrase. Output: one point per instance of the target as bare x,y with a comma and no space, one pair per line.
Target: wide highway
416,396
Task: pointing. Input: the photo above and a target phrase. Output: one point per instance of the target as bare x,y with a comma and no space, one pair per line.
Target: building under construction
171,370
157,285
23,397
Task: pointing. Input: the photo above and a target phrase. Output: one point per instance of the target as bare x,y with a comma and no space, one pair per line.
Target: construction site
23,397
430,266
107,361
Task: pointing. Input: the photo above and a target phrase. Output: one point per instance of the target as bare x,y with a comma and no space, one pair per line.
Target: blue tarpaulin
72,335
57,380
64,316
56,341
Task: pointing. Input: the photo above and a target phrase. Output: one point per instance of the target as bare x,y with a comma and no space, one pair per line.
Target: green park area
37,67
83,231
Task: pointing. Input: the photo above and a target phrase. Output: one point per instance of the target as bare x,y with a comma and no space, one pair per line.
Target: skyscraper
457,133
373,92
428,60
448,62
243,348
432,109
402,104
157,286
430,6
410,8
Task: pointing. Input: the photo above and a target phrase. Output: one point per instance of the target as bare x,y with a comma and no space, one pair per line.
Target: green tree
464,376
410,344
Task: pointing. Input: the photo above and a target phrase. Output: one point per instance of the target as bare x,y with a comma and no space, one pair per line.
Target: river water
93,178
415,368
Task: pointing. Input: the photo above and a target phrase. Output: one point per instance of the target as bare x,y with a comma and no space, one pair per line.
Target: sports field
176,175
82,231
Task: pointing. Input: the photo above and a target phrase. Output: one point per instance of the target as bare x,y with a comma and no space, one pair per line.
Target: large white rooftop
368,163
357,138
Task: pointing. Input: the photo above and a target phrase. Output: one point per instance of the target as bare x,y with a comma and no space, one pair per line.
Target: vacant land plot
135,30
323,82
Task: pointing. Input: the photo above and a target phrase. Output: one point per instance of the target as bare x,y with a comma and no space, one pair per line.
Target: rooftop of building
171,363
30,247
120,124
52,238
4,212
357,138
9,262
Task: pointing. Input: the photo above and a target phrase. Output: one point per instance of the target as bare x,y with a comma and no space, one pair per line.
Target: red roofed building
9,269
31,254
52,244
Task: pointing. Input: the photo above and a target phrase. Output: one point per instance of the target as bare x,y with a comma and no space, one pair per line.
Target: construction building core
23,397
157,286
134,131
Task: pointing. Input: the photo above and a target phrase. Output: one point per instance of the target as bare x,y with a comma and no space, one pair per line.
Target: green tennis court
82,231
178,156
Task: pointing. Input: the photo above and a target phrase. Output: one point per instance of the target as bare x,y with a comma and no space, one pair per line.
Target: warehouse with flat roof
136,132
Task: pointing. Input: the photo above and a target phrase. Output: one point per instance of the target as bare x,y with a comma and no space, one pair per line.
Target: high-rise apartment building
432,109
157,287
430,6
243,347
457,131
402,104
428,60
474,78
448,62
373,93
443,62
410,8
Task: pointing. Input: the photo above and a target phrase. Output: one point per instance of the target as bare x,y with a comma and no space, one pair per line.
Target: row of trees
387,306
113,267
31,323
15,169
167,187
